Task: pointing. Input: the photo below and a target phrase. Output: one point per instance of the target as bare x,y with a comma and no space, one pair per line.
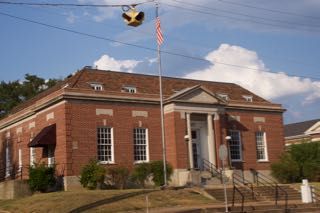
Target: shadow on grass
109,200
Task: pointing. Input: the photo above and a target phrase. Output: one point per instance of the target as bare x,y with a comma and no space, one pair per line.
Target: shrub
92,174
119,176
141,173
300,162
41,177
156,168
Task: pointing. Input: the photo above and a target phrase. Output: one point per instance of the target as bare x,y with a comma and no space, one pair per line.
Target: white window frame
8,159
146,145
96,86
129,89
112,146
239,145
224,96
33,156
20,159
263,146
51,159
248,98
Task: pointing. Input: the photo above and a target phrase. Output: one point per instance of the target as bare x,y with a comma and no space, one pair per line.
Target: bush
119,176
92,174
41,177
302,161
156,168
141,173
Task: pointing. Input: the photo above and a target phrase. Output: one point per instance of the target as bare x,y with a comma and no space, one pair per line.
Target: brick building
115,117
306,131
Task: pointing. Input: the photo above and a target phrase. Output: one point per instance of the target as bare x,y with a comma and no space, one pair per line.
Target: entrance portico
195,112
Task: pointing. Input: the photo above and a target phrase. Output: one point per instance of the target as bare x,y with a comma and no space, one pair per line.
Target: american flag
159,32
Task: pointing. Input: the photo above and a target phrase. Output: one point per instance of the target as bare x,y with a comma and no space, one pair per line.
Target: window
32,156
51,155
261,146
129,89
235,145
140,141
20,159
97,87
105,145
224,96
248,98
8,159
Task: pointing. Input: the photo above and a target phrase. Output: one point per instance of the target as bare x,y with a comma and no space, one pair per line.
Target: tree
13,93
300,162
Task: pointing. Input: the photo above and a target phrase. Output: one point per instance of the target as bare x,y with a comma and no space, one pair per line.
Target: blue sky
272,46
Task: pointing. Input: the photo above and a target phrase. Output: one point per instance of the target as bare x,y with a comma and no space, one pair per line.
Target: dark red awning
46,137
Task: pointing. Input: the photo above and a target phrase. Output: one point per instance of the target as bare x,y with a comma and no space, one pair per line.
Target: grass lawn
66,201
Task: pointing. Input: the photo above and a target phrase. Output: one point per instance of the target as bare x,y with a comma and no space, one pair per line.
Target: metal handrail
241,181
233,197
212,168
315,194
270,184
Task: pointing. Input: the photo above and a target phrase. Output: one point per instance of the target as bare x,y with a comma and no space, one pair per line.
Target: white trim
265,147
147,147
112,147
33,155
20,159
315,128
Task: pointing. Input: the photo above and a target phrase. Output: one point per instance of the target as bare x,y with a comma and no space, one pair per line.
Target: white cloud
253,75
106,62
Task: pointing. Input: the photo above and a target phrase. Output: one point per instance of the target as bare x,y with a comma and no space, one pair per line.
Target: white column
211,142
20,159
189,141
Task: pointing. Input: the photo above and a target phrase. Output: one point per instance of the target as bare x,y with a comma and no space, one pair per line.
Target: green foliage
41,177
14,92
157,172
302,161
141,173
119,176
92,174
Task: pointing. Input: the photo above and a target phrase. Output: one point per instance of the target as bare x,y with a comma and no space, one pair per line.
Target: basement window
97,87
129,89
248,98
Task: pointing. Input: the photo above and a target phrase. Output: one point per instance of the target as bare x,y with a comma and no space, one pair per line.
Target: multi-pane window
105,145
235,145
32,156
261,146
8,159
140,142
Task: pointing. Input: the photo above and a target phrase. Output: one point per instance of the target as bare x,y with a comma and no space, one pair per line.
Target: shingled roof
296,129
146,85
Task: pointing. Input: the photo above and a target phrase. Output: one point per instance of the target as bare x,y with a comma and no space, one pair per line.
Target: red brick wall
40,120
273,126
83,131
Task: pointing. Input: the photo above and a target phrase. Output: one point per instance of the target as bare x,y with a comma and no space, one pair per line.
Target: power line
243,14
71,5
241,20
198,43
267,9
140,46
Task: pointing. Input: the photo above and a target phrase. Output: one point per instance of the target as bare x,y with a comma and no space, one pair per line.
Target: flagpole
161,104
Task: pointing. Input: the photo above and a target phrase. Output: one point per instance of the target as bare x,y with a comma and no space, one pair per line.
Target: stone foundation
14,189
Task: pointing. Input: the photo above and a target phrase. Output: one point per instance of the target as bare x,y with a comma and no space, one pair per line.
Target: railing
271,186
315,194
239,180
207,165
10,173
235,188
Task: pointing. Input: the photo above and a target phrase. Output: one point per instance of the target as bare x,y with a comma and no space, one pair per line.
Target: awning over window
46,137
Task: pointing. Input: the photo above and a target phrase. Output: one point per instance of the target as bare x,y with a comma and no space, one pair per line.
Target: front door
196,148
